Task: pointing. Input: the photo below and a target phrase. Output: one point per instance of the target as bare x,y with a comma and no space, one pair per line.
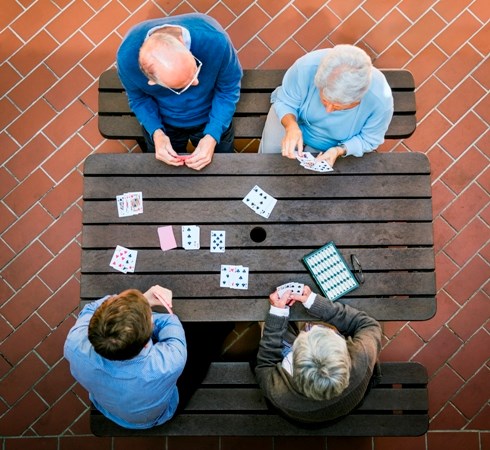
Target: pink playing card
167,238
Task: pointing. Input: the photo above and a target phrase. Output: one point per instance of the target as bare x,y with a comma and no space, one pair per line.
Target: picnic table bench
377,207
117,121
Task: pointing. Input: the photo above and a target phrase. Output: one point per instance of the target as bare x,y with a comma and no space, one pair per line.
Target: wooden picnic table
377,207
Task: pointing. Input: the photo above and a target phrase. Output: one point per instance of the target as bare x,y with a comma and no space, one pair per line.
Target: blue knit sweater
210,103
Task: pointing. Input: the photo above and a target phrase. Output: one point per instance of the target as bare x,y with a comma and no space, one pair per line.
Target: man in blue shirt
129,358
182,77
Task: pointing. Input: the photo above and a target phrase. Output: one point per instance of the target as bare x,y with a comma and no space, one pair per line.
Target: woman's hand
331,155
293,139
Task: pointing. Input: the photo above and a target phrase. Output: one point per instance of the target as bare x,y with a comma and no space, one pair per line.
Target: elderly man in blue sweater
182,77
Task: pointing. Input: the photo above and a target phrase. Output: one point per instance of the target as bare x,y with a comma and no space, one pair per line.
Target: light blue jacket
361,129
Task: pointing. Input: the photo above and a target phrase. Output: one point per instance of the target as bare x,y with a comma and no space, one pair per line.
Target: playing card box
330,271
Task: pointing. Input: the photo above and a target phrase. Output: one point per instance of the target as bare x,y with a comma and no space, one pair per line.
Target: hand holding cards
308,161
293,287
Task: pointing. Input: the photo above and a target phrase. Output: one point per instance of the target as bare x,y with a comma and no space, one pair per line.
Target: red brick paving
52,53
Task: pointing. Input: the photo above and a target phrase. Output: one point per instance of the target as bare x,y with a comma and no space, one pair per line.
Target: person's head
321,363
121,326
166,61
343,76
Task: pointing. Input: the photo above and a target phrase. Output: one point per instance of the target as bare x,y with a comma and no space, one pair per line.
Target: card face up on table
330,271
260,202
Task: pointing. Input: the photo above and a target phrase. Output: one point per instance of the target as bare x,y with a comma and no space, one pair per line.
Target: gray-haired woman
332,101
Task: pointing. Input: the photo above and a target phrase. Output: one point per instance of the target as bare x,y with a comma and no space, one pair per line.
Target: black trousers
204,344
179,137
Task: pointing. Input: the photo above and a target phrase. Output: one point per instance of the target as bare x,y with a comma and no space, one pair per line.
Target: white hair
344,74
321,363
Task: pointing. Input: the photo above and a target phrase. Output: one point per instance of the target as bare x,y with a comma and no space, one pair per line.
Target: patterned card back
330,271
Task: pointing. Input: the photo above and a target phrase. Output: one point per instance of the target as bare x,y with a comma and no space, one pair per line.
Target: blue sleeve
169,333
226,93
143,105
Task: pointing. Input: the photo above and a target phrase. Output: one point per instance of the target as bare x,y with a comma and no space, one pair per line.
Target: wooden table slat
247,164
276,235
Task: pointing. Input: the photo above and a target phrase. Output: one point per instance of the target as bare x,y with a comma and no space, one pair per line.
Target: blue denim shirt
136,393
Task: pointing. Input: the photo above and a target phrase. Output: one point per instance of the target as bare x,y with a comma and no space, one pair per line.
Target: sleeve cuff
283,312
310,301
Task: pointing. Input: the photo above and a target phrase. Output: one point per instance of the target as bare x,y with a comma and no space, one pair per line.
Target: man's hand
164,151
203,154
280,302
331,155
293,139
159,296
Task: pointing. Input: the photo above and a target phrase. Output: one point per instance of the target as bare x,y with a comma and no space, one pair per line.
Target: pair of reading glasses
357,269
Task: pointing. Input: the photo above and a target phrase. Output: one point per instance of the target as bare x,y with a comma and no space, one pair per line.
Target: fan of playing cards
129,204
308,161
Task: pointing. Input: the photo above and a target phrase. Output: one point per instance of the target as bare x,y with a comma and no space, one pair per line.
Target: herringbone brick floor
51,54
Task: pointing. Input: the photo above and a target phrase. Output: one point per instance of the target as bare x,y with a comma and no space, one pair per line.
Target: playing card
308,161
122,209
227,275
129,204
306,157
167,238
234,277
135,202
241,278
123,259
191,237
320,166
294,287
260,202
217,242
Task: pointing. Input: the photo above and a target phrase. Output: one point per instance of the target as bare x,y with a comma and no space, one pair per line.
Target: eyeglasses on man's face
194,78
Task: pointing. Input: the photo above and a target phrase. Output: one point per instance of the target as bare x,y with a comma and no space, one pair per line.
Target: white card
260,201
124,259
129,204
234,277
191,237
294,287
217,241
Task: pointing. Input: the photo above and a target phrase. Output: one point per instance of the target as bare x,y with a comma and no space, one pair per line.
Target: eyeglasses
357,269
194,78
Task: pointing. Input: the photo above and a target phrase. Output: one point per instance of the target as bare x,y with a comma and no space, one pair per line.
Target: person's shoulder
199,21
379,86
312,59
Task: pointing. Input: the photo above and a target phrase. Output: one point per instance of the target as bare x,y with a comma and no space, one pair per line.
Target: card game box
330,271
